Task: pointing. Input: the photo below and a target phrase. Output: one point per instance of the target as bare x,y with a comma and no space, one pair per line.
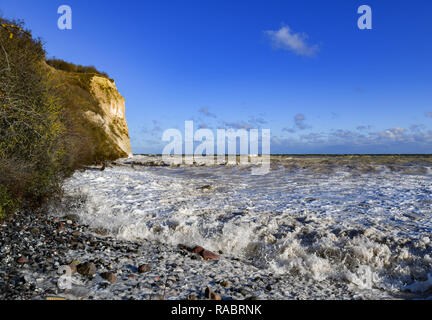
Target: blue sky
300,68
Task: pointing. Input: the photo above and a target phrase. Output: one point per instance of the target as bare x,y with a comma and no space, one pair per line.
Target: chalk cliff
97,112
112,117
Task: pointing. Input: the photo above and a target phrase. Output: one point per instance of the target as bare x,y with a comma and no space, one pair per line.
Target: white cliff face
112,115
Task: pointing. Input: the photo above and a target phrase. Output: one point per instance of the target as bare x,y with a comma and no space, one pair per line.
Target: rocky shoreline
36,249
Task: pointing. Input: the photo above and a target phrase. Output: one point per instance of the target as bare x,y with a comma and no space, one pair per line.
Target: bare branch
7,59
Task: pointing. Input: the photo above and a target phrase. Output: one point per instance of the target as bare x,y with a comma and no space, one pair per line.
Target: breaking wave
361,221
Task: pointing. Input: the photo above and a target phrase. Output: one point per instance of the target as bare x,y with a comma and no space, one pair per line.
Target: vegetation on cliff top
60,64
43,134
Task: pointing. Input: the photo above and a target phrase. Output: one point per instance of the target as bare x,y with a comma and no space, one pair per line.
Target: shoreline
130,233
29,268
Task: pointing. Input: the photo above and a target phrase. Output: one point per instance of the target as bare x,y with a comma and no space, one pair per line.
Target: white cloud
300,121
393,133
364,127
289,130
238,125
429,114
285,38
206,112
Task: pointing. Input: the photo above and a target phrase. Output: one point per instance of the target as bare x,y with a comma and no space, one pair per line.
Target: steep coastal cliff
111,117
97,113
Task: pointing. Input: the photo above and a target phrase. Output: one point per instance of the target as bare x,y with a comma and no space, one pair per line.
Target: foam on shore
369,228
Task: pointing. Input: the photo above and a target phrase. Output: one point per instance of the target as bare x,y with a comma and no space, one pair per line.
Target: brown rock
144,268
225,284
60,240
208,255
209,294
101,231
197,249
22,260
73,268
109,276
76,245
71,217
87,269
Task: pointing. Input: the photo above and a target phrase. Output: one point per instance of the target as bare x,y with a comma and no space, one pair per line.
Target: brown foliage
71,67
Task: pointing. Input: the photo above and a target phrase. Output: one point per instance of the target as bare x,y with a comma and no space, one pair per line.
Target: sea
361,220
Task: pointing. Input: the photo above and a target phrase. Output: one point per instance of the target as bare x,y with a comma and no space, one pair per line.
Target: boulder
144,268
109,276
211,295
87,269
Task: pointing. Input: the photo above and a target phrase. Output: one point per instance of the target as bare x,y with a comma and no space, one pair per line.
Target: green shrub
44,134
31,145
71,67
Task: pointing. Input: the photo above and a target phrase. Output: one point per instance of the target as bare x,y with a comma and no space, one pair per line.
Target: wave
370,230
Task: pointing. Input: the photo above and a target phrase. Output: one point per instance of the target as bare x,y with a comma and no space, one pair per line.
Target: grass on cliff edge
60,64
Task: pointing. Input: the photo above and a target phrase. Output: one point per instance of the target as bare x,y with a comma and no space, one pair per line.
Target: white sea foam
371,229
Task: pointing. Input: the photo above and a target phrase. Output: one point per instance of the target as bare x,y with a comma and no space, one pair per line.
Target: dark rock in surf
208,255
205,254
197,249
